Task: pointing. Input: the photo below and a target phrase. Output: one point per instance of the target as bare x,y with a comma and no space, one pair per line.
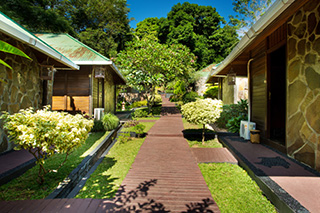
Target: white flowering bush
202,111
44,133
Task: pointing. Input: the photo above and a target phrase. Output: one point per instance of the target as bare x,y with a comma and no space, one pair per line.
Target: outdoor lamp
99,72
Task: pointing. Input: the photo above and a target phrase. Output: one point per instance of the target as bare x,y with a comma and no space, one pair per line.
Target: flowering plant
202,111
44,133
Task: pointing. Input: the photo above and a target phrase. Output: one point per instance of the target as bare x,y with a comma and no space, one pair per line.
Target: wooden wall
259,88
71,90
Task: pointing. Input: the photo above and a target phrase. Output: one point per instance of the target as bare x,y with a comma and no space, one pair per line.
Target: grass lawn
107,178
233,189
147,128
213,143
26,187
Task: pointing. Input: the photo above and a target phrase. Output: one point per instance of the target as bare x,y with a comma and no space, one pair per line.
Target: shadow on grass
129,201
101,184
196,134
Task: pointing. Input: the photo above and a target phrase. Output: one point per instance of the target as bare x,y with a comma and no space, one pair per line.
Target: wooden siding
278,36
73,103
259,89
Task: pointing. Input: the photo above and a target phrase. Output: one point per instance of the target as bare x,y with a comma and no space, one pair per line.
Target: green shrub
233,124
139,128
179,88
202,111
157,100
211,92
45,133
190,97
232,111
130,123
175,98
140,113
139,104
97,126
110,121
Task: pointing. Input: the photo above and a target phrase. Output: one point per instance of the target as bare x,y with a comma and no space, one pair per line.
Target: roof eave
36,44
271,14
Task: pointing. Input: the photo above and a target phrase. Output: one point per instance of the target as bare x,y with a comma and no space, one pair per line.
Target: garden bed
26,187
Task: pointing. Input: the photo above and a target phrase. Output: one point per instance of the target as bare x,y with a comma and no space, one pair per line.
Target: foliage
37,15
139,128
149,27
211,92
101,24
8,48
147,64
231,111
140,113
233,124
190,97
213,143
233,189
157,100
25,187
44,133
139,104
110,121
130,123
249,11
202,111
180,88
97,126
198,28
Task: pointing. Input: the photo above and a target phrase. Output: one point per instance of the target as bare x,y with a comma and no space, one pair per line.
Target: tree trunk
203,130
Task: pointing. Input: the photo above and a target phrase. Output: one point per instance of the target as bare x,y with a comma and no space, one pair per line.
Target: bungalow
29,83
93,86
280,55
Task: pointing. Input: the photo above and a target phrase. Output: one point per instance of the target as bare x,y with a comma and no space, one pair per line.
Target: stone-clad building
280,55
29,83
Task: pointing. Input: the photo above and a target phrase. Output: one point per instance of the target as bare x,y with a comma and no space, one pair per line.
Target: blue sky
141,9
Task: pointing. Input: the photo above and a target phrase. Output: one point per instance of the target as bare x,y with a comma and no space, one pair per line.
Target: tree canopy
101,24
148,64
197,27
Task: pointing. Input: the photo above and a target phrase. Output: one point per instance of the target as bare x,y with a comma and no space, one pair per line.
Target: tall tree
147,64
198,28
149,27
37,15
249,11
101,24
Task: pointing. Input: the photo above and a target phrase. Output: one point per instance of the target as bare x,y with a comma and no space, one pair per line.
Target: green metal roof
73,49
13,29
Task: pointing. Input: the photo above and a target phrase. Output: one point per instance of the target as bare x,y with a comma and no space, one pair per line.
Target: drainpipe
249,100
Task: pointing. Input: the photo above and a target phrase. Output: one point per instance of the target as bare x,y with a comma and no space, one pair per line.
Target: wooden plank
93,206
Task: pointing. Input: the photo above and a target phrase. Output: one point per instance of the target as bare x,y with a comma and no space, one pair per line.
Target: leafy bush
110,121
233,124
140,113
139,128
97,126
157,100
179,88
130,123
139,104
211,92
44,133
231,111
202,111
190,97
175,98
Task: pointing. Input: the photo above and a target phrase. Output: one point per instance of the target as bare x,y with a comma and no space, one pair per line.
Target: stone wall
303,85
22,87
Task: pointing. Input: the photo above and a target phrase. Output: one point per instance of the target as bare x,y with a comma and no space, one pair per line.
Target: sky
142,9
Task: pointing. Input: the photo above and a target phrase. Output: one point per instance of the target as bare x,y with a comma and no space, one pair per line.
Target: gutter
270,15
32,41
